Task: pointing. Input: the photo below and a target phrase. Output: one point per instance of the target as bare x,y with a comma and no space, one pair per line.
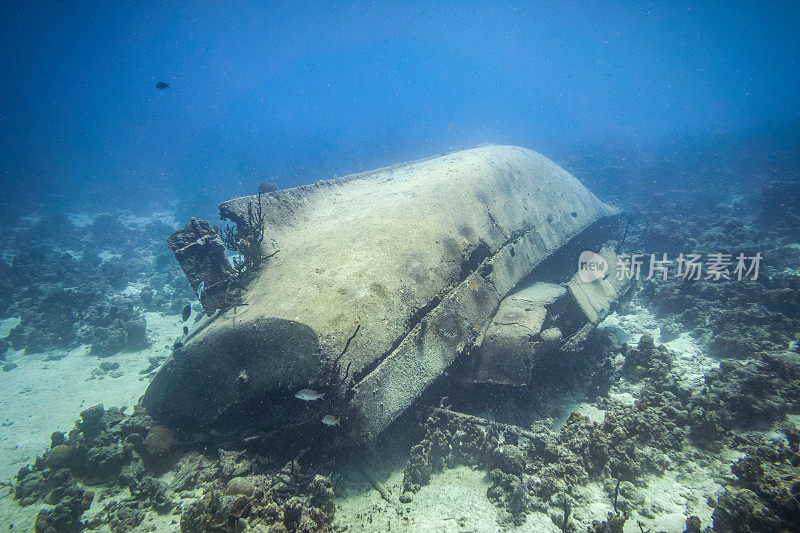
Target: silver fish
308,395
200,290
330,420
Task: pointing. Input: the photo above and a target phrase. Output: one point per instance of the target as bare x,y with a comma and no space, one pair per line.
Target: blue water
295,92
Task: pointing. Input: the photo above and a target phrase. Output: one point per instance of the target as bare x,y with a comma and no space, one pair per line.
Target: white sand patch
622,396
106,255
133,289
80,220
667,501
560,407
6,325
455,500
75,254
627,327
690,362
591,411
593,504
140,222
42,395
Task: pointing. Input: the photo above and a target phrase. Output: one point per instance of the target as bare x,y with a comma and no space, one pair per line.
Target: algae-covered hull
375,283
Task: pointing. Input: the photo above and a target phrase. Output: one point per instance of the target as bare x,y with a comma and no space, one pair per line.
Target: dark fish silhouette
162,85
187,312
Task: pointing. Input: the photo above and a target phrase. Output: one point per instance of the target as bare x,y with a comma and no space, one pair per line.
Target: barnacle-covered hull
375,283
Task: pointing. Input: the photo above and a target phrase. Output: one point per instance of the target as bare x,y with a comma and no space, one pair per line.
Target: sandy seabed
46,392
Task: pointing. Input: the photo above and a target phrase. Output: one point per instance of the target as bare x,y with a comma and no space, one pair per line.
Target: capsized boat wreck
376,283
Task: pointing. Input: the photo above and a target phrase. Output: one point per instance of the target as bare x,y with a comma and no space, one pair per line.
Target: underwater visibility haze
410,266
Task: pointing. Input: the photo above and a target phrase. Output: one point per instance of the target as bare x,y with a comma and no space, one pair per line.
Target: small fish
308,395
200,290
330,420
162,85
187,312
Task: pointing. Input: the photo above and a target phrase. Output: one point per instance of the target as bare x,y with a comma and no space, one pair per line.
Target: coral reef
291,500
613,524
113,326
750,394
736,317
64,517
69,284
533,469
115,453
538,469
106,446
766,494
646,360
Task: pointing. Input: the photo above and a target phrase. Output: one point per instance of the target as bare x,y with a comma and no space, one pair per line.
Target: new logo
591,266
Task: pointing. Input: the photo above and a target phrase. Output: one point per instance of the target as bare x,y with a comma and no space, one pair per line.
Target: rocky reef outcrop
71,284
137,468
537,469
766,494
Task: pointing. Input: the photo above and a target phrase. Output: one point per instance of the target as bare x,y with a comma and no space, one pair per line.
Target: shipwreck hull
376,282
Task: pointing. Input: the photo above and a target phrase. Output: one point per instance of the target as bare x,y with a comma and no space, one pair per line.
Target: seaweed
245,238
